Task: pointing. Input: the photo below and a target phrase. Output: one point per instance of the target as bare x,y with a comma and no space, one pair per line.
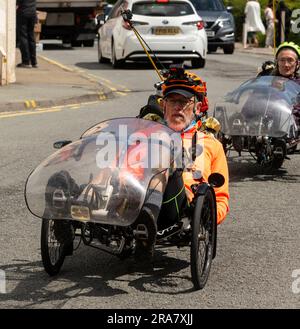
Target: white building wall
7,41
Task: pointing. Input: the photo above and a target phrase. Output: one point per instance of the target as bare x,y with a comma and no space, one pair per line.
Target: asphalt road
258,244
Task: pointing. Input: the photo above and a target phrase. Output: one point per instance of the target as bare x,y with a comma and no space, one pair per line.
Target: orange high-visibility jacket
210,158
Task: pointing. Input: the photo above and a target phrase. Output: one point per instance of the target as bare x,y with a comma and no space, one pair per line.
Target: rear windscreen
162,9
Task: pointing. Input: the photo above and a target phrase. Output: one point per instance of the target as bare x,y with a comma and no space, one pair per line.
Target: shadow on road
245,168
56,46
127,66
102,277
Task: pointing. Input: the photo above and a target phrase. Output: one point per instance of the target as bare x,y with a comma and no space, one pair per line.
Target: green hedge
238,13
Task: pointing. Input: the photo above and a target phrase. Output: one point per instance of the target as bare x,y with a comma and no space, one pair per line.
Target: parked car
219,24
172,29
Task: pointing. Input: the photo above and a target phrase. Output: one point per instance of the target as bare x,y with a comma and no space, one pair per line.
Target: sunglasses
181,102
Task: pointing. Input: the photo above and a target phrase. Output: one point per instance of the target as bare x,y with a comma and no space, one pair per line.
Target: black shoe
35,66
24,65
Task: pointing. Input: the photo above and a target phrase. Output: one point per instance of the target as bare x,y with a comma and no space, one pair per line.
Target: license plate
166,30
210,33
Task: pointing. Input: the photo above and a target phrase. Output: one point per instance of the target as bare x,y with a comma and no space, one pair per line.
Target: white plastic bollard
245,32
2,66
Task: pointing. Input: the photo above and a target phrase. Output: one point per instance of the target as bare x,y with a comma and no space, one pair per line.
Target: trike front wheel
203,238
56,241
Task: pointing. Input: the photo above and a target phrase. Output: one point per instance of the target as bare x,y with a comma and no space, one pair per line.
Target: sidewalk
268,52
49,85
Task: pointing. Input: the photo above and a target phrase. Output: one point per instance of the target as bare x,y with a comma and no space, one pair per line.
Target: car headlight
224,23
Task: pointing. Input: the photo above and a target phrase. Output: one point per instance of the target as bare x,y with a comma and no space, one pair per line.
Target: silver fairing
260,107
105,176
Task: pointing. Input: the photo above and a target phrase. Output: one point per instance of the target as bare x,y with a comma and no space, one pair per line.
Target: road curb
255,51
31,104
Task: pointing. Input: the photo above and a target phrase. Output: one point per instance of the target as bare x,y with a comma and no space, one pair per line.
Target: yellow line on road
56,63
108,84
27,113
29,104
4,115
120,93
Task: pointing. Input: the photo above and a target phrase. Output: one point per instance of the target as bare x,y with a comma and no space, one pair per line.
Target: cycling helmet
290,45
188,84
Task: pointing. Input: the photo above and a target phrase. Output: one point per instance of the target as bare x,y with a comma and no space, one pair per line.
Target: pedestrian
269,17
26,13
253,22
283,17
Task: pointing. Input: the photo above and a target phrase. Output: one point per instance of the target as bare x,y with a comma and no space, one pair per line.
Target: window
162,9
208,5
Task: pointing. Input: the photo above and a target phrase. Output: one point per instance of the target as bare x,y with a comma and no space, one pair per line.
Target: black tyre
88,43
75,43
115,63
228,49
56,244
212,49
198,63
277,162
57,234
278,159
203,238
101,59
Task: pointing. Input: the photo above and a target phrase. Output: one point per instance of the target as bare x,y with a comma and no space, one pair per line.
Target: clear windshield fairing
104,176
259,107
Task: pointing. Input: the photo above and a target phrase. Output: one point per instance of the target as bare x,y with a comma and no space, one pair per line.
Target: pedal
278,151
141,232
59,199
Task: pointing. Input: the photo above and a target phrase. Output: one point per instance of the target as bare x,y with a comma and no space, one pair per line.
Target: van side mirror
229,9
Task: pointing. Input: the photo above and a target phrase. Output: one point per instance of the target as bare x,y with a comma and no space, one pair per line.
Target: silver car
219,24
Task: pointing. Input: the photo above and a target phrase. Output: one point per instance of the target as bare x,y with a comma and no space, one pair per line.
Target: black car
220,26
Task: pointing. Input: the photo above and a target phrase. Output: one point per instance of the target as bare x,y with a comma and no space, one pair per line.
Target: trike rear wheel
203,238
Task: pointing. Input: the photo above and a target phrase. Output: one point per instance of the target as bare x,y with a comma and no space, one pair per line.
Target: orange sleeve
212,159
219,165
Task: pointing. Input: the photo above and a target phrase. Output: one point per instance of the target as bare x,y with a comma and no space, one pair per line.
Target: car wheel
115,63
198,63
228,49
212,49
75,43
88,43
101,59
